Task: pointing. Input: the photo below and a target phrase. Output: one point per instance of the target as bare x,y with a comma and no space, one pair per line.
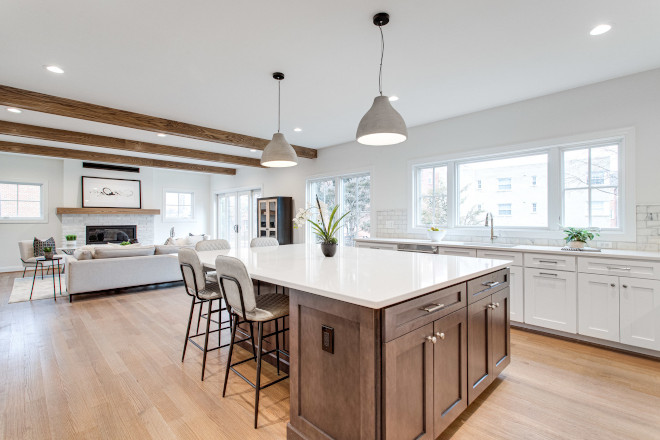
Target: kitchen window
431,195
21,201
179,205
352,193
533,180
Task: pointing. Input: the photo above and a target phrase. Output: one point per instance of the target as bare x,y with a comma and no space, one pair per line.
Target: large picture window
353,194
21,201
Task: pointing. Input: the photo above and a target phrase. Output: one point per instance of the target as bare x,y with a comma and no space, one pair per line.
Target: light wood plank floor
109,367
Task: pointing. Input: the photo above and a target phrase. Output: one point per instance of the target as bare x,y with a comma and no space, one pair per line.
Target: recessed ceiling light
54,69
394,98
297,129
600,29
14,110
252,150
161,135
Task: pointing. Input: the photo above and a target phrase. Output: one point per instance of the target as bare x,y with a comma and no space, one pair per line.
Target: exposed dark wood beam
39,102
66,153
93,140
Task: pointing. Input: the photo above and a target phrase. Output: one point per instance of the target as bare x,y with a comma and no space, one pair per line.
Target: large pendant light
279,153
381,125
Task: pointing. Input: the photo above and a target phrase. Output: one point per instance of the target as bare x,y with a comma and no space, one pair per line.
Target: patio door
236,216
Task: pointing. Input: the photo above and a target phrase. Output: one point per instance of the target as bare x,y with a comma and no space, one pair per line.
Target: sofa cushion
83,254
114,252
162,249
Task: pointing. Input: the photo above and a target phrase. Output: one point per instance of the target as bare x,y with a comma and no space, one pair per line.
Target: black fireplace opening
110,234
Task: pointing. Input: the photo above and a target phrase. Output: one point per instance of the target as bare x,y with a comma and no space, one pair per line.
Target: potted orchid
325,224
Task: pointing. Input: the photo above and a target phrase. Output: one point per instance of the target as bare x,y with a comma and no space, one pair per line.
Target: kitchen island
385,344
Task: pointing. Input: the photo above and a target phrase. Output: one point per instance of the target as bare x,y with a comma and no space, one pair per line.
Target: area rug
43,289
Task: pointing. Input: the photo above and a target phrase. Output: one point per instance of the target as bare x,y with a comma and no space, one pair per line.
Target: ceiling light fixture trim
279,153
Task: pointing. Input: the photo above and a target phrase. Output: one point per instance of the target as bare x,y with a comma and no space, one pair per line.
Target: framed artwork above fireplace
99,192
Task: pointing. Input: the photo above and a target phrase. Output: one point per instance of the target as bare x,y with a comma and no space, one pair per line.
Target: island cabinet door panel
480,364
449,369
408,386
598,306
517,295
551,299
640,312
500,331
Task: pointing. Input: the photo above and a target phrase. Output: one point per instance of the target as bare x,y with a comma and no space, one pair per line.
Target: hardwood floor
109,367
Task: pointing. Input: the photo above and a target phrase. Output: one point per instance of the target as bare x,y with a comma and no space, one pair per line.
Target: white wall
63,177
632,101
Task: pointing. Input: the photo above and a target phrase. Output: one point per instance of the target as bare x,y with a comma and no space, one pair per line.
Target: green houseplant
48,252
70,240
325,225
577,237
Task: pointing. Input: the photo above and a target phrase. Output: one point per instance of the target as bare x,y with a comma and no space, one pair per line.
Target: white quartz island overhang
365,277
383,344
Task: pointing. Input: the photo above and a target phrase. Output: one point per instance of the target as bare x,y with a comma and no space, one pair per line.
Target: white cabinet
626,268
516,299
598,306
640,312
549,261
516,258
551,299
460,252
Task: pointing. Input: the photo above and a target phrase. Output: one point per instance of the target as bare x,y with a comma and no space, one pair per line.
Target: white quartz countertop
606,253
368,277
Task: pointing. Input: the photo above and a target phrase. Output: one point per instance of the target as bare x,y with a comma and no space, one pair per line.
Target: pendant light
381,125
279,153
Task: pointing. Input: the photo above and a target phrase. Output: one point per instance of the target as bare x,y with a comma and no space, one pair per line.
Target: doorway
237,216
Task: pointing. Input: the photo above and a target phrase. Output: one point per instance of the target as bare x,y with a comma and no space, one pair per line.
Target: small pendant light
279,153
381,125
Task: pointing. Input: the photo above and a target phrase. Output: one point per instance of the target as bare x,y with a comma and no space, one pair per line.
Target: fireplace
110,234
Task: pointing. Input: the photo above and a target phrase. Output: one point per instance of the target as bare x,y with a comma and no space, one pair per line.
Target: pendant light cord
279,104
382,52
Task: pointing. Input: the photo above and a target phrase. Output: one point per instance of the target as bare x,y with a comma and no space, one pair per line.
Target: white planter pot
437,235
577,244
70,244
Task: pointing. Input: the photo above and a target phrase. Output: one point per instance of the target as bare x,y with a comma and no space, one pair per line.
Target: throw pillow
82,254
39,246
194,239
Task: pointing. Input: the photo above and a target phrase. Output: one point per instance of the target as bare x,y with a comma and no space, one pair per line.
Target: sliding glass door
237,216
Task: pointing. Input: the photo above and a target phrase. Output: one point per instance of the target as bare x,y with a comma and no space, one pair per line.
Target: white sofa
106,272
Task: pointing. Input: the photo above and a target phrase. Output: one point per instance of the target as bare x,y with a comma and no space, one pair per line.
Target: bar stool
202,291
210,245
245,306
264,242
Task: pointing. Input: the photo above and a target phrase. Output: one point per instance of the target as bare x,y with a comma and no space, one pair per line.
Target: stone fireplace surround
76,224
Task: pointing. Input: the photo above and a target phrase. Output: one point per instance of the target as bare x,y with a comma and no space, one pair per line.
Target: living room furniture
29,260
40,261
246,307
116,268
274,218
202,291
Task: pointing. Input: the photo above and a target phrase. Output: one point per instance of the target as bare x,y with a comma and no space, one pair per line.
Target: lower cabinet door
598,306
480,364
408,386
640,312
517,296
551,299
501,346
449,369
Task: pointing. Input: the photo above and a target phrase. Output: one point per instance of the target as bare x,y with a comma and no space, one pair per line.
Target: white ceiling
209,62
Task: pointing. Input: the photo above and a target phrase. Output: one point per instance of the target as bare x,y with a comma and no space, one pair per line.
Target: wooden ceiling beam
93,140
39,102
66,153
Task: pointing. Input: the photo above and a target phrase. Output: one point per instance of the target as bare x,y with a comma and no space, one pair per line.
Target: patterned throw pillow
39,246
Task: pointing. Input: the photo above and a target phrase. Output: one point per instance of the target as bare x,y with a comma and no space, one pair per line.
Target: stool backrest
26,248
235,284
212,245
191,270
264,241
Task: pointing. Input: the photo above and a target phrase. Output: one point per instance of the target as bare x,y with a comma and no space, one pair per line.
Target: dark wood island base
402,372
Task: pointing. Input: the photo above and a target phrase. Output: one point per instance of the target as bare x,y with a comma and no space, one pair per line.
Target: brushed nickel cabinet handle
625,286
431,339
491,283
440,335
618,268
432,308
548,261
613,285
548,274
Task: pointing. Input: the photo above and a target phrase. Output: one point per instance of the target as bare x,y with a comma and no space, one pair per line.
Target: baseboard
13,269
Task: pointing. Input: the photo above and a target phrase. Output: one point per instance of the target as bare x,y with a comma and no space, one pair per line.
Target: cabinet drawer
515,257
386,246
407,316
550,261
459,252
628,268
487,285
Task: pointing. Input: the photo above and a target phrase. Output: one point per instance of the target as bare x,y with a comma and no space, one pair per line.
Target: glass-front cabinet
275,219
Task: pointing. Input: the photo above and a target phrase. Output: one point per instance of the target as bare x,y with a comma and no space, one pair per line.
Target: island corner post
404,371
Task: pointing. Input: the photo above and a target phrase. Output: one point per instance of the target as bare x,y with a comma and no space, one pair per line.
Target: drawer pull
491,283
548,261
618,268
440,335
548,274
432,339
432,308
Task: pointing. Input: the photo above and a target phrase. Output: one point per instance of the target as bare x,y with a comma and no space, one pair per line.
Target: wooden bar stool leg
206,339
234,324
258,387
185,344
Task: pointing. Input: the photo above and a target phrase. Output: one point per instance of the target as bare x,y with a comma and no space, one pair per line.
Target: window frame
416,195
309,236
43,199
166,218
624,137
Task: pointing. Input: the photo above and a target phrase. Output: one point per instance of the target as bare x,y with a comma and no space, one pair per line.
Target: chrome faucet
492,226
